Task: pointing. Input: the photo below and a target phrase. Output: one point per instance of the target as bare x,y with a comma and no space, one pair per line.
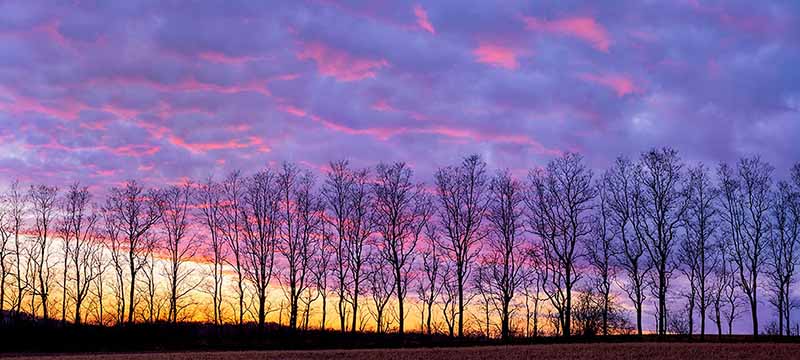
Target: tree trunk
504,327
568,310
460,302
261,311
401,314
430,310
132,294
324,313
754,312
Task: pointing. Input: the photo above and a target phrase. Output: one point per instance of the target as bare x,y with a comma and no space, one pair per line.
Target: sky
160,91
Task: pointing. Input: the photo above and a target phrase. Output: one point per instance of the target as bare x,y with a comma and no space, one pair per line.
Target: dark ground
647,350
200,341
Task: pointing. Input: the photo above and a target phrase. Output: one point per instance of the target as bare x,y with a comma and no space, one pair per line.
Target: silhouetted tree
232,217
658,216
113,233
480,283
6,234
745,204
601,253
261,222
532,289
559,203
80,227
782,244
623,192
402,209
133,211
719,281
592,310
379,278
347,198
462,196
152,304
17,208
43,201
697,253
301,211
98,285
320,269
505,258
449,296
429,286
181,246
210,199
336,190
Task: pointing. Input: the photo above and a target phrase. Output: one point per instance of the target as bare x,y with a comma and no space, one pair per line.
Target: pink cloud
135,150
422,19
458,134
293,110
621,84
496,55
252,142
584,28
188,84
339,64
488,137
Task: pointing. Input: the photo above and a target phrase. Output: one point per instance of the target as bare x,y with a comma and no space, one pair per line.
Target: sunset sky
107,91
164,91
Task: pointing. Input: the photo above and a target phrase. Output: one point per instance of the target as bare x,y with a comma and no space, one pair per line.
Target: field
649,351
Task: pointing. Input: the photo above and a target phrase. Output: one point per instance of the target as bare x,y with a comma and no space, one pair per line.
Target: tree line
488,252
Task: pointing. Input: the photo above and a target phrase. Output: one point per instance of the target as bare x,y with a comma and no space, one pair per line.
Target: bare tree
17,208
658,216
379,277
261,223
726,281
449,296
44,206
532,289
559,201
320,270
402,209
134,211
175,204
429,286
98,285
301,220
6,234
231,229
347,199
688,263
114,243
336,194
745,198
486,301
80,231
602,254
718,282
623,191
782,245
360,226
210,198
697,253
153,303
505,259
462,196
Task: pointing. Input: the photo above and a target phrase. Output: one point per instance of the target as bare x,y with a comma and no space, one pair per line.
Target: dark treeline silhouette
483,253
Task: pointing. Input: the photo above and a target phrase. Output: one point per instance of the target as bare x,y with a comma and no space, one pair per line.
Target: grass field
648,351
